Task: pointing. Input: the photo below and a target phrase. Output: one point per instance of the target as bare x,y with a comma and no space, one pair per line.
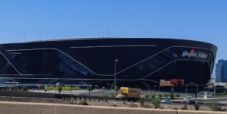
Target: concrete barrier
199,112
45,108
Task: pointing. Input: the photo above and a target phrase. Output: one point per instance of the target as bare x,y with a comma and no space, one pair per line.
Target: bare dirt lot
102,103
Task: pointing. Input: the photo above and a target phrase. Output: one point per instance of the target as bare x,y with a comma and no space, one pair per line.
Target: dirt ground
103,103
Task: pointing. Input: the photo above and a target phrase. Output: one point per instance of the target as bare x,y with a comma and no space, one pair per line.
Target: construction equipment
129,93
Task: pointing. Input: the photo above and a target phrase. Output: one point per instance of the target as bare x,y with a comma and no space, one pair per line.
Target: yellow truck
129,93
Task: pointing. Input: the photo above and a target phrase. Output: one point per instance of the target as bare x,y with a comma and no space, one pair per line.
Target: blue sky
28,20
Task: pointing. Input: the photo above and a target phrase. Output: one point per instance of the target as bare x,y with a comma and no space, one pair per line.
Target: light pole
197,90
115,69
186,91
214,92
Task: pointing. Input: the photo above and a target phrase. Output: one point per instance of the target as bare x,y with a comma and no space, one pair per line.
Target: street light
115,69
197,90
186,91
214,92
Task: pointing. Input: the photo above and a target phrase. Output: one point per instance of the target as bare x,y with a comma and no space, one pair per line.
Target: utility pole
197,90
115,70
186,90
214,89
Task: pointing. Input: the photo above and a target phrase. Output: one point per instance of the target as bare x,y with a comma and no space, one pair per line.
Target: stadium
132,62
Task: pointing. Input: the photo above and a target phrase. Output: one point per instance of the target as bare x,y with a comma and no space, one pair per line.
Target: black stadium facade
133,62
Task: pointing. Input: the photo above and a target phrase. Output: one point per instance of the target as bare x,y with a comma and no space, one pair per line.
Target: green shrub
171,96
153,96
160,95
59,89
150,97
156,102
166,95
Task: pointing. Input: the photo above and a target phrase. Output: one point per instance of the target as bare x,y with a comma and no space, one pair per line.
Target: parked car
189,100
166,101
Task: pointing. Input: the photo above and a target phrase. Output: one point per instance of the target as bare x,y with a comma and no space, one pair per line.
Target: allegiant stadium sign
192,54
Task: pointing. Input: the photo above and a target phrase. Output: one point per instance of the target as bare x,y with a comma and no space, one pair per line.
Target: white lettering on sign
193,54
